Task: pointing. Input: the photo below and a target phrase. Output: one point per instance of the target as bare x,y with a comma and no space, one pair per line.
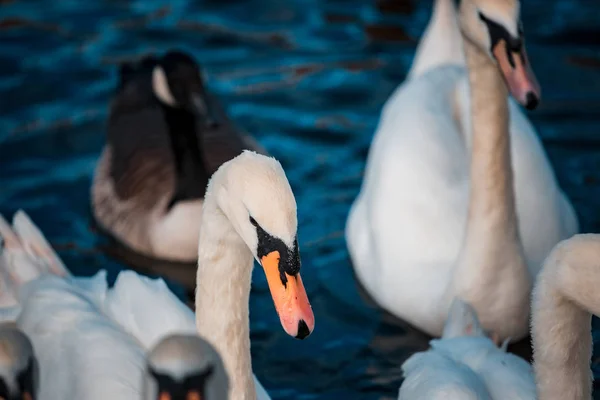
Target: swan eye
253,221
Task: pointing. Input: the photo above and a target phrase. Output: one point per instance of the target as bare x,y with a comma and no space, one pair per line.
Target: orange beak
519,76
289,296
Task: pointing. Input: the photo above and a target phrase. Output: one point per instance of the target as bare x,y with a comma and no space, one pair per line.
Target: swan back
25,254
441,43
147,309
466,364
61,318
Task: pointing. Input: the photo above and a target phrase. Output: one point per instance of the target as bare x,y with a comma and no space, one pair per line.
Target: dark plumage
166,136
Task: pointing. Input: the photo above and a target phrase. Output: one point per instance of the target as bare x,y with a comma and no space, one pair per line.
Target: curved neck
491,251
563,300
222,295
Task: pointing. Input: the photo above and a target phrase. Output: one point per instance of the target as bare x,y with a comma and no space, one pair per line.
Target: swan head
177,82
495,27
19,376
255,195
184,367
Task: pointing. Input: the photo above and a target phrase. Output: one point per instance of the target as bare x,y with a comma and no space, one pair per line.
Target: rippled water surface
308,78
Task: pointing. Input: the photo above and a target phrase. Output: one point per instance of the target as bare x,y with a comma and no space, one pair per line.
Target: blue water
307,78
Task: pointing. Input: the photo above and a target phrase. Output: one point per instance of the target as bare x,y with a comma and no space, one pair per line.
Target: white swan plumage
428,223
466,365
249,212
66,321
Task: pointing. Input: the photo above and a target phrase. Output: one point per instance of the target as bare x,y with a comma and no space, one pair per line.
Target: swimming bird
458,197
184,367
63,317
167,134
249,213
19,375
465,364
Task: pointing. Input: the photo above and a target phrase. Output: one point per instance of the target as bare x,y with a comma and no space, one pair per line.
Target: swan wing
434,376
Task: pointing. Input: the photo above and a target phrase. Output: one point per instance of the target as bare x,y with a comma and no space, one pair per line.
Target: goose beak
519,76
289,296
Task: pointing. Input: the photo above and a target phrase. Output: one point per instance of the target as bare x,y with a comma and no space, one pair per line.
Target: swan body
466,365
166,136
411,231
69,321
147,310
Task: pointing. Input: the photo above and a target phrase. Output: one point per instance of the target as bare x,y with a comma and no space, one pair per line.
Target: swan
19,375
451,205
166,136
59,315
184,367
249,212
466,365
563,300
564,297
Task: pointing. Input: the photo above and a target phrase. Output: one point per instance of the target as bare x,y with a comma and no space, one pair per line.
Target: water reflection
308,79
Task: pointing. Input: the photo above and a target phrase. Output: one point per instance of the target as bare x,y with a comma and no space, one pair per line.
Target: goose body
166,136
411,230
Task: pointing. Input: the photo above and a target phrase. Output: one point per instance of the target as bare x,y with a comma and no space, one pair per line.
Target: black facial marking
179,389
4,393
289,261
497,32
26,379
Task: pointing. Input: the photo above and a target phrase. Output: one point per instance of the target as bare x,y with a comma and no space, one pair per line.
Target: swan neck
563,300
491,192
222,295
491,273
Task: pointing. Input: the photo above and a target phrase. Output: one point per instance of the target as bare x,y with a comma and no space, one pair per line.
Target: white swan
436,215
79,352
249,209
466,365
19,374
249,212
564,298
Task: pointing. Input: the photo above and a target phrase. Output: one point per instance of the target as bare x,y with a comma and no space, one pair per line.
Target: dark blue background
308,78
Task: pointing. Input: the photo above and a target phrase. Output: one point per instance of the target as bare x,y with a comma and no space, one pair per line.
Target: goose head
494,26
184,367
19,376
255,195
177,82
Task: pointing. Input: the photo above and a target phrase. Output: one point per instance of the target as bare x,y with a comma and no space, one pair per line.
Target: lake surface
308,79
